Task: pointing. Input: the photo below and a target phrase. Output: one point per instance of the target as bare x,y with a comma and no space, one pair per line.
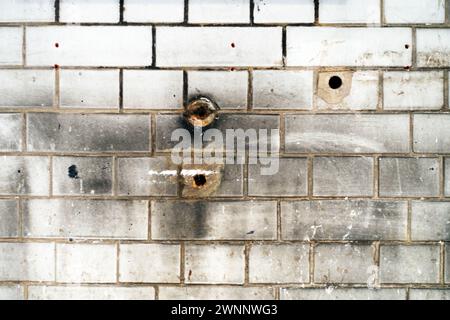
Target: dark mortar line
154,47
316,12
122,9
252,12
186,12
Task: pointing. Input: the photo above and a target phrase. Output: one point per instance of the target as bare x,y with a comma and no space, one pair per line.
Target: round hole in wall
201,112
199,180
335,82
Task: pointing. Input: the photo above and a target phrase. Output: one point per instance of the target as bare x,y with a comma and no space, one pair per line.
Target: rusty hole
406,46
201,112
199,180
335,82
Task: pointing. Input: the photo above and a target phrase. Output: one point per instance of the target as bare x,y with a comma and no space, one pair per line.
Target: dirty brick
342,294
433,47
233,220
67,218
432,133
343,220
288,11
88,133
414,11
9,219
215,293
349,11
430,221
88,11
231,11
10,132
11,49
11,293
27,11
154,11
429,294
90,293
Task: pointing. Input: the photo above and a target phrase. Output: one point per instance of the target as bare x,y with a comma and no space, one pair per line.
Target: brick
343,220
218,46
27,261
432,133
152,89
166,124
154,11
385,47
433,47
81,219
11,293
90,293
10,132
447,264
342,176
214,264
88,11
233,220
11,49
359,91
429,294
289,11
338,263
81,89
290,180
79,176
409,177
282,89
27,88
9,219
215,293
349,11
229,11
279,264
227,89
149,263
24,176
114,46
88,133
409,264
342,294
430,221
84,263
27,11
147,176
447,176
413,90
415,11
347,133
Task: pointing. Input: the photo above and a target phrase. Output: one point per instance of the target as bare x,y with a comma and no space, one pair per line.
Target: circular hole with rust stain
201,112
335,82
199,180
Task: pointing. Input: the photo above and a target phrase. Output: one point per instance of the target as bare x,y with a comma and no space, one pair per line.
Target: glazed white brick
413,90
27,261
414,11
227,89
218,46
215,293
329,46
85,219
338,263
429,294
167,11
222,264
27,88
11,293
349,11
279,264
219,11
9,219
287,11
432,133
97,11
85,263
430,221
331,293
10,132
359,91
11,48
149,263
89,46
409,264
27,11
282,89
82,89
24,175
150,89
433,47
342,176
90,293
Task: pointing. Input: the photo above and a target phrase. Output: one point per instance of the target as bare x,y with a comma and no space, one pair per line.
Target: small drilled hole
335,82
200,180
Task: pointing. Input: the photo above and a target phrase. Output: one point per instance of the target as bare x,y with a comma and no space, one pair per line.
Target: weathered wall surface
90,92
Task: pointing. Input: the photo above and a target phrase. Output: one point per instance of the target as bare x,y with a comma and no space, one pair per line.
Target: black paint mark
73,172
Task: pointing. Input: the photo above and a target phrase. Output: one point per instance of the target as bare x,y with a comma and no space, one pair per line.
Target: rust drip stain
200,180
